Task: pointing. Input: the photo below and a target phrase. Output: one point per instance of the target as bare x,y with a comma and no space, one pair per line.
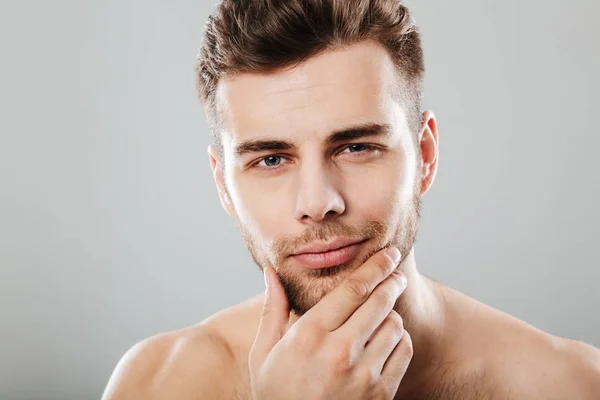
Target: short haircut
263,36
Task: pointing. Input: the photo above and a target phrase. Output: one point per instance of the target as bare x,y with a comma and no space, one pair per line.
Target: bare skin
473,352
304,188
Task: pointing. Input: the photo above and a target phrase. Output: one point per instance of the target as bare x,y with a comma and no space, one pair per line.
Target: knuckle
396,322
407,352
406,346
383,392
387,387
384,264
398,278
305,337
384,298
366,377
339,358
357,288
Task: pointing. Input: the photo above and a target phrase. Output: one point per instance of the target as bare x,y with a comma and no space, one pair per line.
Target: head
318,133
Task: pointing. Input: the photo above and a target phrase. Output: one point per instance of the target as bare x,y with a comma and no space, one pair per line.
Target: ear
429,144
216,166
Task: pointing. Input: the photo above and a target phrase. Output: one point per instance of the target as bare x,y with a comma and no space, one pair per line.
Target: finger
273,320
383,342
369,316
339,304
397,363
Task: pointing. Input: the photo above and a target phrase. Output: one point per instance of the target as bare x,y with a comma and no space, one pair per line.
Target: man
321,154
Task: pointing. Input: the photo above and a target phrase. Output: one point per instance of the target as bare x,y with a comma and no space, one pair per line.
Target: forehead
349,85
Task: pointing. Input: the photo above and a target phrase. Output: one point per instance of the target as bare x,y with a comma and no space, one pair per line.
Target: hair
266,36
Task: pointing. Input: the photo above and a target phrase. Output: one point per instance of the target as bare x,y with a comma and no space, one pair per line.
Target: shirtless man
321,154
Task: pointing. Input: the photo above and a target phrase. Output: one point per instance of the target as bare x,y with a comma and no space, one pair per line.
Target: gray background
111,229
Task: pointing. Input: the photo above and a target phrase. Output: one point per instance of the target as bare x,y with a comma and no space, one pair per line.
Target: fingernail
394,254
266,277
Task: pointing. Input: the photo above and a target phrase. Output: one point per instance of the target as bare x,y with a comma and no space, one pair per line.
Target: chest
447,385
452,386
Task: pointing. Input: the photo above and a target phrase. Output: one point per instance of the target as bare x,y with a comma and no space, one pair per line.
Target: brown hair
263,36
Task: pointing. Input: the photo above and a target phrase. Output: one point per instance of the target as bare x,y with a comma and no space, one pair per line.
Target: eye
268,162
360,148
272,161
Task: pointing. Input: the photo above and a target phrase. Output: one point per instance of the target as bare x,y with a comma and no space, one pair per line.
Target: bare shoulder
555,368
583,362
161,366
533,364
511,359
201,361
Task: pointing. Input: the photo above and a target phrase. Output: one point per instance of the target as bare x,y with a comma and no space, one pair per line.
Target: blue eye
269,162
272,161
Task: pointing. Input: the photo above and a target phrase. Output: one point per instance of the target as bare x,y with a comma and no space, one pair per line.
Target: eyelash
368,149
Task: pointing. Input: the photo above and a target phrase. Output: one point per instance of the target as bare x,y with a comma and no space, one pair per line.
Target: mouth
328,255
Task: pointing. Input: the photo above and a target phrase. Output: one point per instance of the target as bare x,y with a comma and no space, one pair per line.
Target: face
321,155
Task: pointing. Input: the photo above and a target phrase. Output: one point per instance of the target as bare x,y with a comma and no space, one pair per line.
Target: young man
321,154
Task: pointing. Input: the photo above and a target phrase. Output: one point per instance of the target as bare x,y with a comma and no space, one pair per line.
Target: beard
306,287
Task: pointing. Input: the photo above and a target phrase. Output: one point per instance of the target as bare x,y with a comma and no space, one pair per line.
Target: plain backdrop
110,225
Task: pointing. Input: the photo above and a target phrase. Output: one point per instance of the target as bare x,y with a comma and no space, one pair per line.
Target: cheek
372,201
382,190
263,207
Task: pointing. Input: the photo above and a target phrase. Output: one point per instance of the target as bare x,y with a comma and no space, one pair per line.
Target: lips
325,255
325,247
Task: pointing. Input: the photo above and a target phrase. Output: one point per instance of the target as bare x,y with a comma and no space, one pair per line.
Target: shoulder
513,359
541,365
582,362
201,360
157,366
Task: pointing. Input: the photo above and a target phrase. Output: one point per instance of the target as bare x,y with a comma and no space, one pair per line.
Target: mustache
285,245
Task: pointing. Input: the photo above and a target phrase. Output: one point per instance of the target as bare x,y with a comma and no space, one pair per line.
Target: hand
350,345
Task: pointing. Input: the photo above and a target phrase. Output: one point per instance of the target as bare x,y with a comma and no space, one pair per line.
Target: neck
421,304
421,307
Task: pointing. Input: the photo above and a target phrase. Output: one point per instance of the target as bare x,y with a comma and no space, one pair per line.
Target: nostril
330,213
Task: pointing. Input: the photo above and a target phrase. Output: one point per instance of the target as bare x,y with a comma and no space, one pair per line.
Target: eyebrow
352,132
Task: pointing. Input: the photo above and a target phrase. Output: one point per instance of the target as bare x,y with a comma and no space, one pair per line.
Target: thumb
274,318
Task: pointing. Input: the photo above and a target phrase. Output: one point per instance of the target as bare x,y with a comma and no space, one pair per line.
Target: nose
318,197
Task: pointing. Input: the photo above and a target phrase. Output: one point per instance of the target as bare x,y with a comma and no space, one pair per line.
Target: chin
306,287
